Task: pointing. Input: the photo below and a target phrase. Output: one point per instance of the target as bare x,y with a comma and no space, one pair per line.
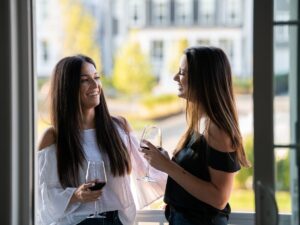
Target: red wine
97,186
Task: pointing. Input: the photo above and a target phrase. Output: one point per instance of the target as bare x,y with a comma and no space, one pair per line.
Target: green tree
79,31
176,53
132,73
282,169
245,173
283,174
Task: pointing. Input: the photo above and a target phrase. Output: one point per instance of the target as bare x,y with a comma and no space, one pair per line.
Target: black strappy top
195,158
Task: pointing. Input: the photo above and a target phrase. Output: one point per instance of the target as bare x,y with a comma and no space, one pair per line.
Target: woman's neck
88,119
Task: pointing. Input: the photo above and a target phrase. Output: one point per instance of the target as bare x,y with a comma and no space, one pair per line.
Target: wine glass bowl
152,134
96,174
98,185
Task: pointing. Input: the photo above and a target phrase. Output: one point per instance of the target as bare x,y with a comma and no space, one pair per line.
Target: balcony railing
156,217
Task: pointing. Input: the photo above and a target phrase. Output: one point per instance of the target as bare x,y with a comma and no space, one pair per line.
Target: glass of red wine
152,134
96,174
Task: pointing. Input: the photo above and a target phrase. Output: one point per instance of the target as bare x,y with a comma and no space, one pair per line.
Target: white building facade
48,36
159,24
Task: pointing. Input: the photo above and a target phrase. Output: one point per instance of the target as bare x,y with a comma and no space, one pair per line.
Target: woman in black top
203,167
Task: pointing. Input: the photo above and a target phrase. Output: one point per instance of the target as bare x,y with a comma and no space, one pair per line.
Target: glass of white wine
152,134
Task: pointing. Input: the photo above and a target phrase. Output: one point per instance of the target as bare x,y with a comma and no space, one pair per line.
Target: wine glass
96,174
152,134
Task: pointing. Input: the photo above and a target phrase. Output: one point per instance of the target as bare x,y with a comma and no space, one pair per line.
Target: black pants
111,218
176,217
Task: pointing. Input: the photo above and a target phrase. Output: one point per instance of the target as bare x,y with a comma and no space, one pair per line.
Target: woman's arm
144,193
55,201
47,139
215,193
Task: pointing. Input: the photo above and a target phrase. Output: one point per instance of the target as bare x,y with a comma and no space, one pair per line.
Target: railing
157,217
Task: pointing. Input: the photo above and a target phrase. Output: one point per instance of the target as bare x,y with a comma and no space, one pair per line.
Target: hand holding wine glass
96,174
153,135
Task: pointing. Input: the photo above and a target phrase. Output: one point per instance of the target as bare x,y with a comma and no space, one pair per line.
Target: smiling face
90,86
182,78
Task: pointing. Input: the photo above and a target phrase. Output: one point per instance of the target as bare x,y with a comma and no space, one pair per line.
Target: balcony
156,217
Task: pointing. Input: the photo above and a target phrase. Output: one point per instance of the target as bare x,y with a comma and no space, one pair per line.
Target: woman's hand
157,158
84,194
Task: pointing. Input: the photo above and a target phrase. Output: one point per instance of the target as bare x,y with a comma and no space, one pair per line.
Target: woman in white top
82,129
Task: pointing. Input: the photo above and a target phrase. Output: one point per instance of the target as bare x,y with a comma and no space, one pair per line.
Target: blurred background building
158,26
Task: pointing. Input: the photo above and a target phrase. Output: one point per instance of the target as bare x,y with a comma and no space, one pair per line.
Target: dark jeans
179,218
111,218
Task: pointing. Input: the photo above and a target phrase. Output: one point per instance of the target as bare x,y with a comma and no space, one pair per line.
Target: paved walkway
173,127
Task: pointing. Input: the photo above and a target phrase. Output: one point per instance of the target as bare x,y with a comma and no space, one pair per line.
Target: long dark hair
210,91
66,118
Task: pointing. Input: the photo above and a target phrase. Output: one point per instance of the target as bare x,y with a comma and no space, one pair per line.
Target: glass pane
285,116
285,10
282,168
281,85
242,198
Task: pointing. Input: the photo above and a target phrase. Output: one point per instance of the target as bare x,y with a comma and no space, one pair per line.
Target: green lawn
283,199
243,200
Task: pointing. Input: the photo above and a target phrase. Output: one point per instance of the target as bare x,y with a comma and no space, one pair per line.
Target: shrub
281,84
132,73
242,85
150,101
243,176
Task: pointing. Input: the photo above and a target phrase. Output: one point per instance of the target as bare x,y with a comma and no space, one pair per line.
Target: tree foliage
283,174
132,73
245,173
79,31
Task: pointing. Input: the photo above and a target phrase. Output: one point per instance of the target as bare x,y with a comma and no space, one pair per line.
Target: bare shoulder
123,122
219,139
47,139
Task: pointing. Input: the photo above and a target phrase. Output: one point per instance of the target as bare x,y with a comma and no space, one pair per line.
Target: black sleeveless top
195,158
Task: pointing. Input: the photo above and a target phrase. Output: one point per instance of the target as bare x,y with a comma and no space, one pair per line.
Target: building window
233,10
203,42
157,50
207,12
183,12
160,12
45,51
137,13
227,46
157,55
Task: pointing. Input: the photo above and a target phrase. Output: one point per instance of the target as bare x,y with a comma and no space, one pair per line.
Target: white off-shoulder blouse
124,194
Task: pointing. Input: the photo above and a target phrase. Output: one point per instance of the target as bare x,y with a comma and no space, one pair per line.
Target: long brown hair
65,109
210,91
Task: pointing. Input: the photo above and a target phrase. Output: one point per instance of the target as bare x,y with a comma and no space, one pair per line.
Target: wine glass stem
96,208
148,170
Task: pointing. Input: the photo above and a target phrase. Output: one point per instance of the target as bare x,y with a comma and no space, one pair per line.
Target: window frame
17,116
18,112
